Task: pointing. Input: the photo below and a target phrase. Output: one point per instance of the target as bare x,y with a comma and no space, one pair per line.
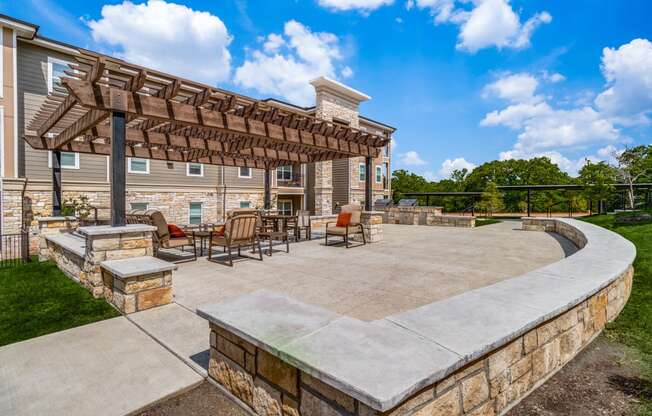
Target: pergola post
56,183
368,187
267,201
528,202
118,169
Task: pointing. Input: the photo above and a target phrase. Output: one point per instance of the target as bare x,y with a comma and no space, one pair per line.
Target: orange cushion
343,219
219,230
175,232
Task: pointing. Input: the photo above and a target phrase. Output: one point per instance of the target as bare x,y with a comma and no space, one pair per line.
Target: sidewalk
106,368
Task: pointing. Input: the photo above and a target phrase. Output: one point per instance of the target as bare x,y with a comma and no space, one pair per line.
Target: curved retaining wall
478,353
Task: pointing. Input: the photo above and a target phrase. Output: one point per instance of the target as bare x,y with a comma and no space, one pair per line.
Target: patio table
202,232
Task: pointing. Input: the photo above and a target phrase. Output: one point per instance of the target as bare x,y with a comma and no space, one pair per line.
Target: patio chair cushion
343,219
158,221
338,230
175,231
176,242
355,210
219,230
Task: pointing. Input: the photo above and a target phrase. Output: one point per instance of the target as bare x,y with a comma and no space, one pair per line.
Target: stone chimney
339,103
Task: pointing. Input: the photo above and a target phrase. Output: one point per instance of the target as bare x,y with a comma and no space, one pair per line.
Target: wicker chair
162,238
353,227
239,230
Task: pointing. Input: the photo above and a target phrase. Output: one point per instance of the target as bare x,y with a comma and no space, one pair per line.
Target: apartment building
186,193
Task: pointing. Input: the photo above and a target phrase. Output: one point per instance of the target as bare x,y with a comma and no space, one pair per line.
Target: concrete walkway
106,368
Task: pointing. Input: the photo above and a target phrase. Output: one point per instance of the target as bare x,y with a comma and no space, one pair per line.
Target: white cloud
346,72
488,23
542,128
628,71
569,166
288,62
168,37
448,166
517,88
553,77
364,6
412,158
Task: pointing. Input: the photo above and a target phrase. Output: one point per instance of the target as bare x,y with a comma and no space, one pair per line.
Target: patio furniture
239,231
303,224
270,231
352,226
162,237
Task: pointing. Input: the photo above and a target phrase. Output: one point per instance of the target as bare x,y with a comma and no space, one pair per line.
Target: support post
528,202
267,200
368,188
118,169
56,183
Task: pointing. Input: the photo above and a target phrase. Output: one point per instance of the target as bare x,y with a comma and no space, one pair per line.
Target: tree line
634,165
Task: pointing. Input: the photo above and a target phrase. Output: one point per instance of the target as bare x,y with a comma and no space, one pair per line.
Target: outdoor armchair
239,231
352,226
161,236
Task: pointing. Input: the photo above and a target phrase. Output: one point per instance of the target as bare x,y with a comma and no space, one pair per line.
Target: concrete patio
412,267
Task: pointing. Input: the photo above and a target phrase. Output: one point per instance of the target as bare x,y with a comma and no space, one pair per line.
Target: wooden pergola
110,107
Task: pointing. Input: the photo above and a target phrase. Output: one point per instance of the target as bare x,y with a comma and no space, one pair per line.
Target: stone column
323,188
372,223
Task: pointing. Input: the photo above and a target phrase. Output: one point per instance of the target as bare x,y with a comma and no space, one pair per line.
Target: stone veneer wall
489,386
82,262
418,215
138,293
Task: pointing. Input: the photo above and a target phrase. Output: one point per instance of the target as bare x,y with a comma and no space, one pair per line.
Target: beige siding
231,178
340,182
173,173
32,90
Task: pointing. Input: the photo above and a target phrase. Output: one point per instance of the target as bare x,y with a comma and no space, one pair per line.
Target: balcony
290,181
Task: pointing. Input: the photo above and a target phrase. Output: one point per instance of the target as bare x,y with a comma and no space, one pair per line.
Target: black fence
14,249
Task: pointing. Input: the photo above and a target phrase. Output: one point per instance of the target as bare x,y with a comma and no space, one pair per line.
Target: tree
634,164
404,182
492,199
598,179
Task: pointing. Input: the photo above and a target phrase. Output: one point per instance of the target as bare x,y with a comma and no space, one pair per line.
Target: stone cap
328,84
59,218
383,362
70,242
108,230
137,266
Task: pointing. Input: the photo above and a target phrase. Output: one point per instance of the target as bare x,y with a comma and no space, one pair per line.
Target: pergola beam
105,98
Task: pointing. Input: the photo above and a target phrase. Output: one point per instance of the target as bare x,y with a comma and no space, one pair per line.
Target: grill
407,202
382,203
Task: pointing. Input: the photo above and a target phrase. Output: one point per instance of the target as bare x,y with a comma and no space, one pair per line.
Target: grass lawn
38,299
479,222
634,325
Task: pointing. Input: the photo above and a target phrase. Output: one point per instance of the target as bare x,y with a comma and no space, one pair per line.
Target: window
194,213
56,70
69,160
245,204
244,172
140,206
194,169
284,207
137,165
379,174
284,173
361,172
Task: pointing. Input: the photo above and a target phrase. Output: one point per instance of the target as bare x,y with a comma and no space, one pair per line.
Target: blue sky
463,81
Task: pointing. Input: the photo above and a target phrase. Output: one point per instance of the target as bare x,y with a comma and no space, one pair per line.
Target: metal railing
293,181
14,249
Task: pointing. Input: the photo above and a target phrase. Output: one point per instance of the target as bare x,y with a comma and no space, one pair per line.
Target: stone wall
488,386
411,215
451,221
137,293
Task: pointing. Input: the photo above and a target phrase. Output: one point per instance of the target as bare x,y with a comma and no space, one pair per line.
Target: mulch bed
604,379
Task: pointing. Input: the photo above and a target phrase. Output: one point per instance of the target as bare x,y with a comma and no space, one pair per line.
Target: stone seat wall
475,354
